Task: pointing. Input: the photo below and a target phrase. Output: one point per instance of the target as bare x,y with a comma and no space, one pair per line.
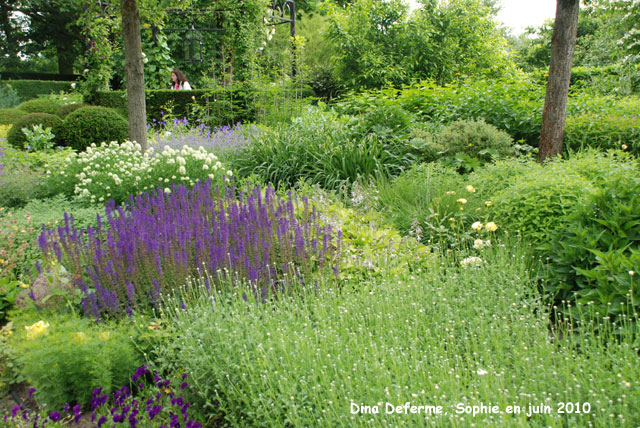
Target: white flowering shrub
115,171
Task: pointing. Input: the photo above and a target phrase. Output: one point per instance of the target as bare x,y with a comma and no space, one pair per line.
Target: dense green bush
63,111
17,138
321,148
10,115
596,255
40,105
603,132
475,138
93,125
30,89
64,359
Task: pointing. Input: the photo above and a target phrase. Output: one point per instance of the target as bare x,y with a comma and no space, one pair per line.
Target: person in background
179,80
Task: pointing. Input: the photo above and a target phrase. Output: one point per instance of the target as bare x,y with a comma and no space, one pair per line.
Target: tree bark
563,43
134,72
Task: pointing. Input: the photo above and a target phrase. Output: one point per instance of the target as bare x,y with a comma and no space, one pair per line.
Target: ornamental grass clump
159,239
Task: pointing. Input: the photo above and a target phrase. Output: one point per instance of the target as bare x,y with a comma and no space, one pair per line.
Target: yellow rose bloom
477,226
470,189
462,201
492,227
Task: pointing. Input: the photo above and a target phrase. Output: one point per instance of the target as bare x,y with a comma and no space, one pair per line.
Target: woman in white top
179,80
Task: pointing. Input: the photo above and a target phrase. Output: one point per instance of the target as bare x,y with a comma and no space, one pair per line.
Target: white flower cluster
113,171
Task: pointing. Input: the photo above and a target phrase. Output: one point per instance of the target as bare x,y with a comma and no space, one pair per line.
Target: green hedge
243,103
224,107
30,89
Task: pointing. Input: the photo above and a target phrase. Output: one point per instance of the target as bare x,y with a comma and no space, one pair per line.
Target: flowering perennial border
159,239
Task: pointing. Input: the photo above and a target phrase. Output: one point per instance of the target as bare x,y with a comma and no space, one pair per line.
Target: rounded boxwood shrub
65,110
40,105
89,125
10,115
16,137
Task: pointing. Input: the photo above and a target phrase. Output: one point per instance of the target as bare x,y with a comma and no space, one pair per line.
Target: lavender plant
179,132
157,403
161,238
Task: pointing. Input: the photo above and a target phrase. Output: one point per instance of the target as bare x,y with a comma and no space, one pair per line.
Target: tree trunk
563,43
134,73
65,56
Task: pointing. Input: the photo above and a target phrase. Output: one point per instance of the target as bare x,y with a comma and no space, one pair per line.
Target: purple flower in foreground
15,410
31,391
55,416
77,413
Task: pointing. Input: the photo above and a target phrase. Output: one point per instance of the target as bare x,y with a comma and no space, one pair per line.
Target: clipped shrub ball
10,115
89,125
40,105
475,138
16,137
65,110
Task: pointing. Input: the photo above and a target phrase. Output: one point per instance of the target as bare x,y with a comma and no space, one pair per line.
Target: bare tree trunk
134,73
563,43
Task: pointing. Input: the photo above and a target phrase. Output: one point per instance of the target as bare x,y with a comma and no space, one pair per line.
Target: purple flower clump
175,134
154,243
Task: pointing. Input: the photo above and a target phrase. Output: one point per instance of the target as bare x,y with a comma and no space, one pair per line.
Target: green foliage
19,186
537,203
475,138
608,131
513,105
158,61
40,105
379,44
10,115
595,256
63,111
321,148
39,138
93,125
17,138
65,358
30,89
9,97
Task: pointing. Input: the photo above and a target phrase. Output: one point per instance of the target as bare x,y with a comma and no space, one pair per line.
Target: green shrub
40,105
595,256
64,359
386,119
20,185
475,138
9,97
63,111
18,139
603,132
10,115
538,202
93,125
